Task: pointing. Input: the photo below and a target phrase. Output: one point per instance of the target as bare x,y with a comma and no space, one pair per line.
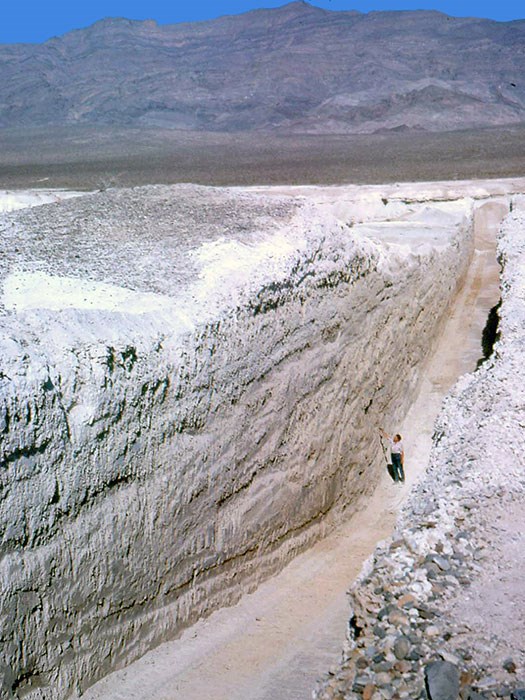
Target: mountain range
297,68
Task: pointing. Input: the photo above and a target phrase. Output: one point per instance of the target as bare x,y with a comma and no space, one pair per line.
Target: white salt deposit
38,290
11,200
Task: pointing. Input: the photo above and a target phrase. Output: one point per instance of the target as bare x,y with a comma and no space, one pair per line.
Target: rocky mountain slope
296,68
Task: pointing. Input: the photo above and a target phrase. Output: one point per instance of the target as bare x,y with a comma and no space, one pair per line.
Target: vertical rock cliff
189,382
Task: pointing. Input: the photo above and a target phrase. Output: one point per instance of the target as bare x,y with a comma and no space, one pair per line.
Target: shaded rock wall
156,465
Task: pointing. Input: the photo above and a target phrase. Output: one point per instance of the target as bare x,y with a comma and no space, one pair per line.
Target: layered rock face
190,382
297,68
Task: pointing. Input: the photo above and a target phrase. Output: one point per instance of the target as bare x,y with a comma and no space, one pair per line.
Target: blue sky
37,20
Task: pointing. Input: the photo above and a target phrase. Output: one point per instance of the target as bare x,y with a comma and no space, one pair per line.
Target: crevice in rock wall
490,334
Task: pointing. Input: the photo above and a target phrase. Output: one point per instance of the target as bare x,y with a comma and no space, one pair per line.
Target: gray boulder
442,681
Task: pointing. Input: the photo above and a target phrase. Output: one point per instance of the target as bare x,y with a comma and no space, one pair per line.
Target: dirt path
276,642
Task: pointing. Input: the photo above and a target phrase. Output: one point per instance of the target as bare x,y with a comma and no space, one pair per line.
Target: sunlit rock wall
190,385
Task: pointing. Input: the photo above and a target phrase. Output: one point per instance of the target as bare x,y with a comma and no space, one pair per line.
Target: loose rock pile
436,613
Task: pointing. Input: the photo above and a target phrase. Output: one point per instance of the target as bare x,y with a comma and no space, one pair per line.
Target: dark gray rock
382,70
509,665
442,680
432,570
518,694
384,612
440,561
414,655
383,667
360,682
401,647
425,613
379,632
379,658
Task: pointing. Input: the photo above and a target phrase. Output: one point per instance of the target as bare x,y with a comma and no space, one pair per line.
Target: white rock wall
156,465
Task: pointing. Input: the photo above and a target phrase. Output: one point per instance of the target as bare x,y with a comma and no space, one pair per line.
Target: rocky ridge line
295,68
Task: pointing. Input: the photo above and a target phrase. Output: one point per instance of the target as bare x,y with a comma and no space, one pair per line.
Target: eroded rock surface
189,380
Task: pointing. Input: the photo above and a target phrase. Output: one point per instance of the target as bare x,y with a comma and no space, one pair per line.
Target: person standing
397,452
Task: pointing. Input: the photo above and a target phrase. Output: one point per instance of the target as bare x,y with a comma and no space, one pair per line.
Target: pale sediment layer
21,199
189,382
448,587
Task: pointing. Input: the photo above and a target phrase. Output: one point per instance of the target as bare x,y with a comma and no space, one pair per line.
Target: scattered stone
509,665
442,680
401,647
472,695
414,655
406,601
383,613
425,612
360,682
361,662
383,679
486,683
451,658
432,570
518,694
398,618
403,666
368,691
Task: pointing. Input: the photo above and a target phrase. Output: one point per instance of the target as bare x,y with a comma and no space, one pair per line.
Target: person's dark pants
399,474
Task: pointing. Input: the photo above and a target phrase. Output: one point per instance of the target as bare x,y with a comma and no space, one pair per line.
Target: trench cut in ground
278,641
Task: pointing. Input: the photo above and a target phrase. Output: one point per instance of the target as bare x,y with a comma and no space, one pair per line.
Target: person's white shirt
396,447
